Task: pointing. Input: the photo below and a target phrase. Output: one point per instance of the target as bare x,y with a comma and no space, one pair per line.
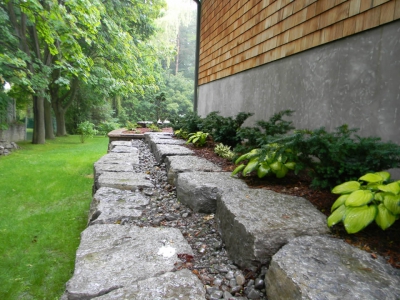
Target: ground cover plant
45,194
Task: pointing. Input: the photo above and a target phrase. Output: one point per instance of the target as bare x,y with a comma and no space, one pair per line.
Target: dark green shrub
224,129
190,122
105,127
340,156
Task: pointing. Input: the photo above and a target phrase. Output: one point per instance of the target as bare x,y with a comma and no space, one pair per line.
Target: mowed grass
45,193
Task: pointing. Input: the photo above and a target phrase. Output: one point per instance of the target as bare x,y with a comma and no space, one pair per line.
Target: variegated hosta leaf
251,166
359,198
337,216
393,187
263,170
339,201
369,177
392,203
357,218
282,172
346,188
384,219
385,175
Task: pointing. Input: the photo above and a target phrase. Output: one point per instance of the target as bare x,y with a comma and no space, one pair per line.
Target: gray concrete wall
355,81
14,133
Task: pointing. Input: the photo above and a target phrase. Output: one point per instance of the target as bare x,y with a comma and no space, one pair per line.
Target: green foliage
105,127
154,128
254,137
366,200
131,125
265,162
198,139
224,129
224,151
181,134
332,158
85,130
189,122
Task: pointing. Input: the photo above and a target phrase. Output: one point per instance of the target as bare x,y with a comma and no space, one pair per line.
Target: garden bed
372,239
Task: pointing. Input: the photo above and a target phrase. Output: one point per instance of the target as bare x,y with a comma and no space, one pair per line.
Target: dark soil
372,239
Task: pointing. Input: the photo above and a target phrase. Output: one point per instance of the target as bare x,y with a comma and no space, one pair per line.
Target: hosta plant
265,163
224,151
198,139
366,200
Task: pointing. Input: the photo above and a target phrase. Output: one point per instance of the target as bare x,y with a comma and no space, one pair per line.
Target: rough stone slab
199,190
124,180
124,149
148,136
162,151
155,141
110,206
113,144
255,223
110,257
182,284
99,168
180,164
322,267
120,158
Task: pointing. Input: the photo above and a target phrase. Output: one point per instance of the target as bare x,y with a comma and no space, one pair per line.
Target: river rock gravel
210,262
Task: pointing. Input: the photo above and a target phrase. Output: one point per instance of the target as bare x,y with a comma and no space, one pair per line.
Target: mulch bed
372,239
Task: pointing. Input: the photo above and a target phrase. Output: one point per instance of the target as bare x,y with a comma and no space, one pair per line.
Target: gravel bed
222,279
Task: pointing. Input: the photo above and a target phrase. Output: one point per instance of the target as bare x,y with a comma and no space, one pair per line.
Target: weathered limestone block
255,224
124,180
99,168
182,284
321,267
148,136
124,149
199,190
180,164
155,141
114,144
110,206
111,257
161,151
120,158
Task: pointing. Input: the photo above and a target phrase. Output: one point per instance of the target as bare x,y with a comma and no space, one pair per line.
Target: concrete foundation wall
354,81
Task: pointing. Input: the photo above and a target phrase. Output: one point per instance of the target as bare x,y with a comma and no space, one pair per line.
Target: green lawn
45,192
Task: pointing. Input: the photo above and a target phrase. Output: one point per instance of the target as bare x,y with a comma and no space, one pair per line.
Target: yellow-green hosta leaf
346,188
393,187
337,216
290,165
251,166
373,186
369,177
238,169
282,158
263,170
248,155
282,172
359,198
385,175
357,218
379,196
270,157
339,201
384,219
392,203
276,166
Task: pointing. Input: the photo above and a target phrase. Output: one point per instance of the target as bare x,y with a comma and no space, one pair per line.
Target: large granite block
255,224
189,163
161,151
199,190
120,158
111,257
100,168
124,180
110,206
321,267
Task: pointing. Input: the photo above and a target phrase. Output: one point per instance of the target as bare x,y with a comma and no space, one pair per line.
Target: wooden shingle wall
237,35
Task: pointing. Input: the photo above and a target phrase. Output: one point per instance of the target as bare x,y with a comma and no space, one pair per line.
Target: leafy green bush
265,162
132,126
181,134
198,139
105,127
366,200
190,122
85,130
255,137
224,129
224,151
332,158
154,128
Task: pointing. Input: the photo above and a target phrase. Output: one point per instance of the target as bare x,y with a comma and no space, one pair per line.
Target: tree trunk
38,136
48,122
60,121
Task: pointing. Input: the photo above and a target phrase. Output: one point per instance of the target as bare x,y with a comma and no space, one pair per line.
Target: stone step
256,223
321,267
161,151
124,180
199,190
112,257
